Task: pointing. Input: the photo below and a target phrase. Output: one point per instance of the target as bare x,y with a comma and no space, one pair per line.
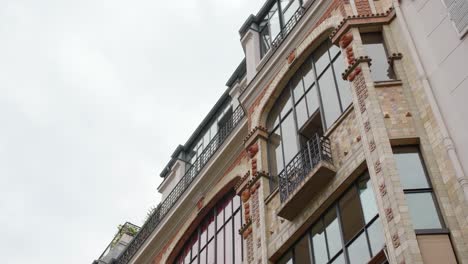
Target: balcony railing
316,150
164,207
287,28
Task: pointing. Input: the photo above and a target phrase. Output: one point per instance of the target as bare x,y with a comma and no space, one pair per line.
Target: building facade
331,144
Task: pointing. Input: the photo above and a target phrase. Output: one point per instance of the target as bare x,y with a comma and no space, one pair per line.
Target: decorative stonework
367,126
258,131
372,145
292,56
377,167
382,189
396,241
389,214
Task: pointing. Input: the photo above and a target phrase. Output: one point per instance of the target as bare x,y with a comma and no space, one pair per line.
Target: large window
374,46
216,240
348,232
418,190
313,99
275,20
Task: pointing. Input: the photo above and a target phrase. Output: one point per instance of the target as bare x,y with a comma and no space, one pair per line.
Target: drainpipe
447,140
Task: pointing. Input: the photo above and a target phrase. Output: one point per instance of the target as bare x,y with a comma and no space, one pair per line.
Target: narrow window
374,46
417,187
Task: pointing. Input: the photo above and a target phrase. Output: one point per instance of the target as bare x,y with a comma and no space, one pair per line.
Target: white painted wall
444,55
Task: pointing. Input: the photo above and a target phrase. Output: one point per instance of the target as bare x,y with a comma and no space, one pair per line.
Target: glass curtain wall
348,232
275,20
216,240
310,103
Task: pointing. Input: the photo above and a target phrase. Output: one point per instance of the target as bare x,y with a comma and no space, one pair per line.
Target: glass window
423,211
289,138
369,205
321,58
275,26
302,251
223,247
418,190
331,105
312,100
343,86
358,251
276,152
301,113
289,7
376,238
373,43
286,259
333,232
319,245
351,214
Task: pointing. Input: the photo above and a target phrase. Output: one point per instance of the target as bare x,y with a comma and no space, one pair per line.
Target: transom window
216,240
312,101
348,232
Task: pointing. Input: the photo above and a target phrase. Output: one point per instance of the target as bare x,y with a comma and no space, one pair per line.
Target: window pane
286,259
236,202
321,59
237,239
301,113
297,86
358,251
289,138
423,211
203,257
318,242
289,9
220,247
339,260
211,253
203,232
265,41
211,226
312,100
331,106
275,152
333,232
308,73
376,238
194,245
227,210
411,170
351,215
275,27
301,251
228,241
219,217
343,86
374,47
369,206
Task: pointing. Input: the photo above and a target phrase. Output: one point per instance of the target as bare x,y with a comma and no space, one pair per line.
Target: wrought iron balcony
288,27
165,206
305,175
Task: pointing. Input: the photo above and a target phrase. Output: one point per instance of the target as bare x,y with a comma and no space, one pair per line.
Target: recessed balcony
306,175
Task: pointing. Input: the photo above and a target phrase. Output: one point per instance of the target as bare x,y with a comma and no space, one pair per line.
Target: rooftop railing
164,207
316,150
288,27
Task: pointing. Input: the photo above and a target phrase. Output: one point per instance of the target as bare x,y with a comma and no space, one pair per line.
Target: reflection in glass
343,86
319,245
339,260
228,251
351,216
288,128
301,251
220,246
321,58
369,205
312,100
376,238
423,211
331,105
381,70
301,113
358,251
333,232
411,170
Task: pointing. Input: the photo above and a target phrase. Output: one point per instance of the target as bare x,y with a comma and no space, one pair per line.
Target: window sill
438,231
272,194
378,84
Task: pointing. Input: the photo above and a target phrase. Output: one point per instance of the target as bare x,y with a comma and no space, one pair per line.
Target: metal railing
164,207
127,228
287,28
316,149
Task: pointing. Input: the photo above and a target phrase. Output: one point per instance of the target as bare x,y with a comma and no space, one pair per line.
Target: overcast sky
94,97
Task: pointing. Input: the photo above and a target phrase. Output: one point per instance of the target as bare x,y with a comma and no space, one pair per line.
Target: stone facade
382,115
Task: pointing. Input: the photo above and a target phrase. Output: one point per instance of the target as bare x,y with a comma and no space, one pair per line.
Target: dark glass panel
319,245
343,86
237,238
301,113
333,232
410,168
286,259
358,251
302,251
275,152
211,252
227,210
312,100
376,238
228,242
321,58
289,138
375,49
187,257
351,214
211,226
308,73
203,231
220,246
423,211
203,256
194,244
369,205
331,105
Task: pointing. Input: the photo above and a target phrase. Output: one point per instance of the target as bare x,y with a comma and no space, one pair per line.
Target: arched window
216,240
311,102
